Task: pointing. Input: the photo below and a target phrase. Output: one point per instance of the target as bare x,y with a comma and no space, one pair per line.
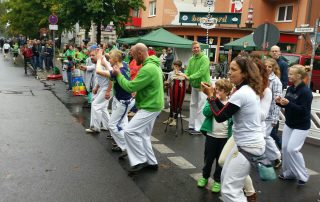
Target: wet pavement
180,157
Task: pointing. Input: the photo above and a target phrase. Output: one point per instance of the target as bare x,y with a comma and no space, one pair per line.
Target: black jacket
298,111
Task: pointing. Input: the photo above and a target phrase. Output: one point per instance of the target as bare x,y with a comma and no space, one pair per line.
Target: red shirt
134,69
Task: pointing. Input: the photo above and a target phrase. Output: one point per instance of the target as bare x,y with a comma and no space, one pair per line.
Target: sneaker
89,130
301,183
202,182
277,163
282,177
173,123
252,198
104,129
216,187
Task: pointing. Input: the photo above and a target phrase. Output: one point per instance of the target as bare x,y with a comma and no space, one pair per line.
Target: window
136,13
152,8
285,13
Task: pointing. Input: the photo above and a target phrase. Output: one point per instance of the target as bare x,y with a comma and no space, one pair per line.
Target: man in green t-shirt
148,85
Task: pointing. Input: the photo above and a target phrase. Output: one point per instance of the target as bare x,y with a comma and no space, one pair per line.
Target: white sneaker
89,130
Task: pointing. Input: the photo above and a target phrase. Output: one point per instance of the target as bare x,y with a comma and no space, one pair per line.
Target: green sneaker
202,182
216,187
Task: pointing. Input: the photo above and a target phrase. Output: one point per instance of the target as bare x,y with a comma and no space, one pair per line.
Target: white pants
137,136
99,110
119,119
272,151
234,173
197,102
293,165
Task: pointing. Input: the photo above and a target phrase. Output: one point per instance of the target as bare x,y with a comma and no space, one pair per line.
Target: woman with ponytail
297,105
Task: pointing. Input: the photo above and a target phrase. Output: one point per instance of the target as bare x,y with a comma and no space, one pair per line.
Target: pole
265,37
314,46
54,48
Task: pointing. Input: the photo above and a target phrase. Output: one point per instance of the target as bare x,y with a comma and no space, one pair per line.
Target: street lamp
208,22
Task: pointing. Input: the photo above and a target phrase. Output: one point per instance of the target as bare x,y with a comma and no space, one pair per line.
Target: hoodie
148,85
198,70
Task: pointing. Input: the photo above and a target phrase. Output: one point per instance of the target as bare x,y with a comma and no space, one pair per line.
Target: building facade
235,19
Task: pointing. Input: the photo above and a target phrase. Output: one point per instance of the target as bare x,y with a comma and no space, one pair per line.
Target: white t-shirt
219,130
247,129
6,46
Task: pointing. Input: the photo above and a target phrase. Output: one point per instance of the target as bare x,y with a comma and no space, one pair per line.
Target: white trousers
99,110
293,165
197,102
234,173
272,151
137,135
119,119
248,185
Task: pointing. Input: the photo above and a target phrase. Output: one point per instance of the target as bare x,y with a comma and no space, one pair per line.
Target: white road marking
312,172
163,149
181,162
153,139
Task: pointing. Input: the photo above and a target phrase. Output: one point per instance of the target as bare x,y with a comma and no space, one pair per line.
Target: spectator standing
163,58
49,55
36,54
168,60
197,71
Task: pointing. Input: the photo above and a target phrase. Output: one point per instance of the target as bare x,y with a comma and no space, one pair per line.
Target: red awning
287,38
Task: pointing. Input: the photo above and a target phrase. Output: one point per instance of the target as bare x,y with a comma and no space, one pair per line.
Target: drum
78,87
64,71
177,93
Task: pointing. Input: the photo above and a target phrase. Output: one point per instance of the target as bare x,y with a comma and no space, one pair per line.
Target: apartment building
182,17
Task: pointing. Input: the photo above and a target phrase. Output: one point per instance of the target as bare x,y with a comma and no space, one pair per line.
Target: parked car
306,60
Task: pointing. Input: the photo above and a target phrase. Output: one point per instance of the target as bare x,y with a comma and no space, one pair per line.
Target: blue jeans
41,59
69,74
36,61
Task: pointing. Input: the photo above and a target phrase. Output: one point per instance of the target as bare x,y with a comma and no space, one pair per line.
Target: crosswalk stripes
181,162
163,149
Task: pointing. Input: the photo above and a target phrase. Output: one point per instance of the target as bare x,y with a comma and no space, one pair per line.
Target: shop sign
220,18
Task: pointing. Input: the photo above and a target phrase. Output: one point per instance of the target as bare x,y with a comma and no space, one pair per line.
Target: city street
45,154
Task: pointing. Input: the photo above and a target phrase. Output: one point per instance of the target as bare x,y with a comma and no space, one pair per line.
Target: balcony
134,22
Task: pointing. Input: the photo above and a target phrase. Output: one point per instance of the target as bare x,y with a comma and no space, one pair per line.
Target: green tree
25,17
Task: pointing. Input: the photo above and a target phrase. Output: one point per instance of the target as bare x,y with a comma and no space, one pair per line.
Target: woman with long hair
244,108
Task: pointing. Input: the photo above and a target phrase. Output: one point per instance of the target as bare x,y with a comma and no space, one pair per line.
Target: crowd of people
238,116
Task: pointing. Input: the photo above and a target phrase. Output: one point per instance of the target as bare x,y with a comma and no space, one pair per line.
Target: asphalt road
45,155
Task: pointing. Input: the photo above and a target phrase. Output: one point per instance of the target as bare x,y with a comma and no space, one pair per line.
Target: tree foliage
27,17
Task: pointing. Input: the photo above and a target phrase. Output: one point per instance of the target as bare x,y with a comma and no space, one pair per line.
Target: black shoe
190,131
109,136
137,167
301,183
153,166
116,149
123,155
282,177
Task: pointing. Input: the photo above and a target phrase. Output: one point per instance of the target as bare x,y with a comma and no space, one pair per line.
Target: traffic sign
304,29
53,27
266,35
209,2
53,19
